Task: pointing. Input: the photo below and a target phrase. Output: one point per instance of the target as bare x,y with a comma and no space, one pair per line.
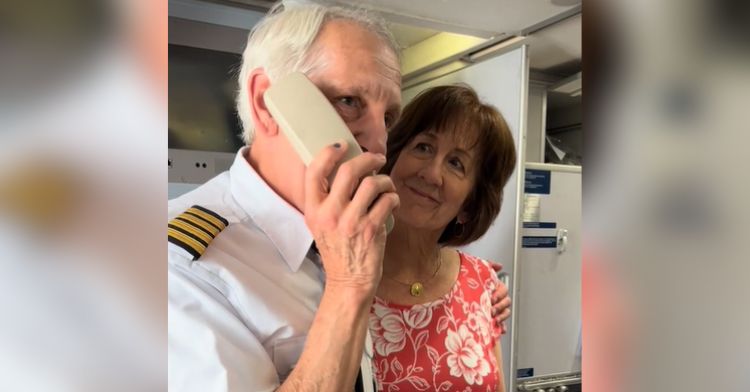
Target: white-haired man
280,299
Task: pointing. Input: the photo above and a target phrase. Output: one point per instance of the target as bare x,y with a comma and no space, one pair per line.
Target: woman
449,157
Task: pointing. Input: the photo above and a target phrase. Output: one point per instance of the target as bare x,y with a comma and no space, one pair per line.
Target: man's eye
348,101
388,120
349,108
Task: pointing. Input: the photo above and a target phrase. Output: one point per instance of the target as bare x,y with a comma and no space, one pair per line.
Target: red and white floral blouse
444,345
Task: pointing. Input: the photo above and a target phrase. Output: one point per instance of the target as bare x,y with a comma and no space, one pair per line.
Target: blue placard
539,242
525,372
537,181
539,225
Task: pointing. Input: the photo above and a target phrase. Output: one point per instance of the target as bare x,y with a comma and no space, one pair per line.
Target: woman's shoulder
482,266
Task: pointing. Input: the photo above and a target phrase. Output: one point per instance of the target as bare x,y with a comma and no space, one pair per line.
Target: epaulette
194,229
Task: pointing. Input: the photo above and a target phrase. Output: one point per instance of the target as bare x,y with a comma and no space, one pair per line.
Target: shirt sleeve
210,349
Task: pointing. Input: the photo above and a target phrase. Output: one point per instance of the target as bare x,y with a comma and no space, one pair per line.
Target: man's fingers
367,197
352,171
500,307
320,168
368,191
501,304
504,315
504,303
383,207
496,266
502,290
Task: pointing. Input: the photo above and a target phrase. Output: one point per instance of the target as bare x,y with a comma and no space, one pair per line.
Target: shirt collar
283,224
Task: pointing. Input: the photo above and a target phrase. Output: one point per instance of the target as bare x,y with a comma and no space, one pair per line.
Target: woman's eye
423,147
456,163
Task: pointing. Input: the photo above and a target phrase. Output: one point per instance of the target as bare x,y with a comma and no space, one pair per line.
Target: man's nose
371,133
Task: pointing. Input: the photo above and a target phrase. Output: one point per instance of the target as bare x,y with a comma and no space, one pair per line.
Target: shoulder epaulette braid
194,229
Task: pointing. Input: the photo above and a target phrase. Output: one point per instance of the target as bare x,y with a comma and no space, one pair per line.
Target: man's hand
347,218
500,302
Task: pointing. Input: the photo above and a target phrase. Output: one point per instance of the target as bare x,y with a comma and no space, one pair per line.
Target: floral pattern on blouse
444,345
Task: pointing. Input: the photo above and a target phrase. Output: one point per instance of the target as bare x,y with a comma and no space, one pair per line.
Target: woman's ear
462,217
258,83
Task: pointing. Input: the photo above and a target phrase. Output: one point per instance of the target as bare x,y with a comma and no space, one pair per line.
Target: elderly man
272,272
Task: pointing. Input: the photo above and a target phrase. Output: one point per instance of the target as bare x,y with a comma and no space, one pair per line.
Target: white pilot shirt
240,313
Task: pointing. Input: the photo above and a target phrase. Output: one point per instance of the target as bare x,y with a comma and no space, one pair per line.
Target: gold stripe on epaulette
189,241
192,230
207,217
198,222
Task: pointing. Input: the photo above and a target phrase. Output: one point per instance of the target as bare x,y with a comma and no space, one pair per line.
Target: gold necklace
416,288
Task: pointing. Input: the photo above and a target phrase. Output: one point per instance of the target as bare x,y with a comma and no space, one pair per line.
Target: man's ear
257,84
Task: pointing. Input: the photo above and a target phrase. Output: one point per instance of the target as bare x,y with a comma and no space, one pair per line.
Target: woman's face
433,175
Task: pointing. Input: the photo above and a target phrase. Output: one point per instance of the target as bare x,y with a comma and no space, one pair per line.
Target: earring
459,229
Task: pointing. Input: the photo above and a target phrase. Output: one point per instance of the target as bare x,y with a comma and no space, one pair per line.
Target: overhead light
565,3
495,49
264,5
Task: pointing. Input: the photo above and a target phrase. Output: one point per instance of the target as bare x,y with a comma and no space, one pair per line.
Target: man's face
361,78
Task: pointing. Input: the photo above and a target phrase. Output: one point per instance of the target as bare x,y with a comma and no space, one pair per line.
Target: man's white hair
280,44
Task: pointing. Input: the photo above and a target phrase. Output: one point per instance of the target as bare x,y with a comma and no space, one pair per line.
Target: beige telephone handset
308,120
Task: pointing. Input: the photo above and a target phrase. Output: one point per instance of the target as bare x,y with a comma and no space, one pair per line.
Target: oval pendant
416,289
